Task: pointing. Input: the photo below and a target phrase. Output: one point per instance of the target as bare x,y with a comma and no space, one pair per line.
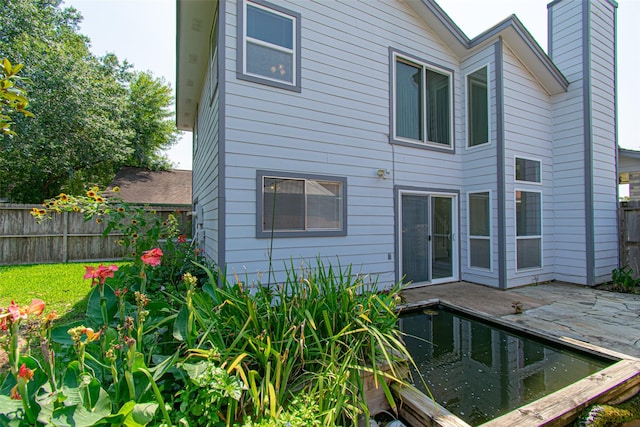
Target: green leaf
142,414
60,335
94,311
180,327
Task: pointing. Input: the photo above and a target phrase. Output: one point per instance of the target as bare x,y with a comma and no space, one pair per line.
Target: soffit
194,21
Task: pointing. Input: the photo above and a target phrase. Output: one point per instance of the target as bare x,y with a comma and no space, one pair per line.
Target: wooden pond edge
613,384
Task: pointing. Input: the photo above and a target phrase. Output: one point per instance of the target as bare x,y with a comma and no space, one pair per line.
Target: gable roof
195,21
142,186
513,32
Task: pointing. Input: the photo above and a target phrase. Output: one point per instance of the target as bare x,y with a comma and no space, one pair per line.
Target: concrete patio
605,319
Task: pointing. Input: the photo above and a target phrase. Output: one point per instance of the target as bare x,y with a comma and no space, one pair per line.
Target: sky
144,33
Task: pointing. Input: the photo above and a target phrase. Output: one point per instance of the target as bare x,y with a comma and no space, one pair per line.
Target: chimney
582,44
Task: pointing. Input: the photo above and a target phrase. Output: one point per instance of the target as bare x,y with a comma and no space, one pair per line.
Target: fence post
65,237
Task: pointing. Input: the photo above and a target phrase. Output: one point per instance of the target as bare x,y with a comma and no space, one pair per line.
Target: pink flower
152,257
101,273
15,313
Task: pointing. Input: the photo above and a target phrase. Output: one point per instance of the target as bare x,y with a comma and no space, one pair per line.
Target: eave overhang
193,31
512,32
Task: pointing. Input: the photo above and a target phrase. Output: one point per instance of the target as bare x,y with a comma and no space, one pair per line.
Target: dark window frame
396,56
241,72
261,233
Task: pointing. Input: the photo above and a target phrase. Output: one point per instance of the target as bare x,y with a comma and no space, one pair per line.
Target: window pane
324,205
527,170
269,63
528,214
480,253
478,107
438,120
479,214
408,101
283,204
269,27
529,253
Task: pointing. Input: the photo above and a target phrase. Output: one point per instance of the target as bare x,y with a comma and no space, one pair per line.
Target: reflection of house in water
479,372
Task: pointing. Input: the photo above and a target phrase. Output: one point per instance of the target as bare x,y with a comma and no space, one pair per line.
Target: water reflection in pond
479,372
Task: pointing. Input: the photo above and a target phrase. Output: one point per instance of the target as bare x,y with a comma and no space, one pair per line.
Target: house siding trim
615,113
588,145
260,234
222,115
240,39
432,146
500,169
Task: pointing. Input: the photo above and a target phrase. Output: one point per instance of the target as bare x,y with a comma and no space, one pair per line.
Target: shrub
623,279
315,335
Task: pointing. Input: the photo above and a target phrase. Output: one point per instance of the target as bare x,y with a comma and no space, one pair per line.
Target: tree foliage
13,97
93,115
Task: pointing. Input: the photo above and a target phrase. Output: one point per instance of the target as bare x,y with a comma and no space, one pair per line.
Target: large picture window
270,44
422,103
528,229
480,230
477,108
293,206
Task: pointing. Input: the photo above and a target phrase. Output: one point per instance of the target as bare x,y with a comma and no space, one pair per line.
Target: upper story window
422,103
269,44
297,205
527,170
477,108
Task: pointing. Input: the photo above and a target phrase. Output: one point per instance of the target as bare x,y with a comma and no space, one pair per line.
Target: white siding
604,140
479,171
206,162
568,148
338,125
527,130
569,135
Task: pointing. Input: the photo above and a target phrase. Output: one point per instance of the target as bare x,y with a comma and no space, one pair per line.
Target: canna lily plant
108,373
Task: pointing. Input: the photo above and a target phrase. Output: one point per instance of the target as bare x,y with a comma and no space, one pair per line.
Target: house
377,134
629,171
143,186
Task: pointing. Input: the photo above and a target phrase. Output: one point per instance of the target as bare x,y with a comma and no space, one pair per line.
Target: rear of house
377,134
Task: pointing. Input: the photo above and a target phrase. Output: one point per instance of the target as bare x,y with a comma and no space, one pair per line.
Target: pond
479,371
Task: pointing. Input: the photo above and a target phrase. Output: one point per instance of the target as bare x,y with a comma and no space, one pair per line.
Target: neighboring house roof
195,20
628,160
170,187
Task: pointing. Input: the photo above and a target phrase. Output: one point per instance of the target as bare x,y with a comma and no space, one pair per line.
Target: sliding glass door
428,232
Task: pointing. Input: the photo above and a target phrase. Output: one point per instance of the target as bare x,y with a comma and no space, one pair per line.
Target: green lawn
60,286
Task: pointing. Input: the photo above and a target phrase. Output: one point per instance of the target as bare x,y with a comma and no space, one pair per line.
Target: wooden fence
67,237
629,217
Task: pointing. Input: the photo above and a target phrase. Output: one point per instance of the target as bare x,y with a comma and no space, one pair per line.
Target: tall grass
317,334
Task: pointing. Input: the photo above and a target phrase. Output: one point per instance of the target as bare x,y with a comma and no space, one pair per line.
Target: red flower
99,274
25,373
182,238
152,257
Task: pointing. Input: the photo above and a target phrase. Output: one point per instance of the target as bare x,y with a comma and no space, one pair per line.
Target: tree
150,119
88,109
13,97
